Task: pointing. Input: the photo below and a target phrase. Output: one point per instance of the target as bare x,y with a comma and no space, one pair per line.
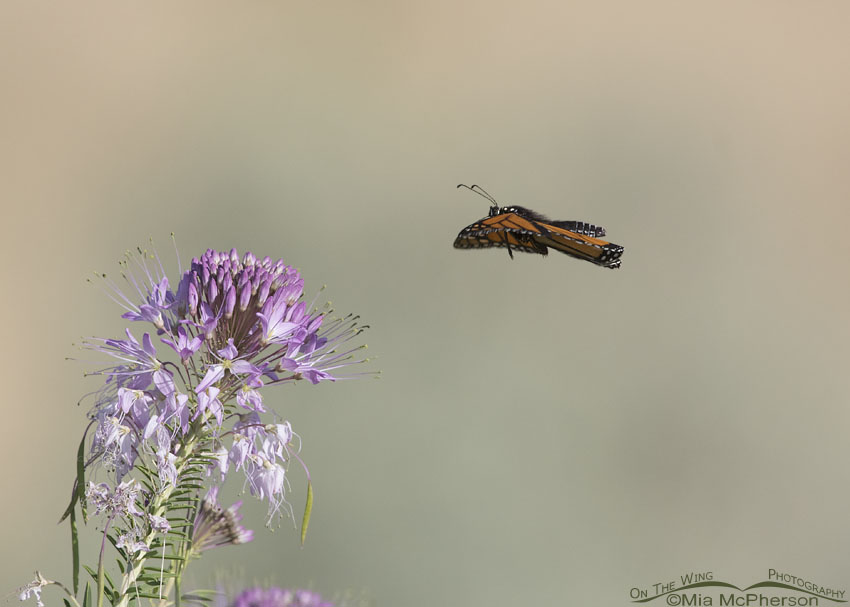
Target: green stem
158,506
100,582
68,592
100,570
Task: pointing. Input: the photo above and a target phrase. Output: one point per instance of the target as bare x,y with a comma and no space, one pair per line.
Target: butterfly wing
524,230
588,248
506,230
580,227
533,221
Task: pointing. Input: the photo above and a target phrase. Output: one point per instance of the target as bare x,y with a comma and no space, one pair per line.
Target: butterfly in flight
519,229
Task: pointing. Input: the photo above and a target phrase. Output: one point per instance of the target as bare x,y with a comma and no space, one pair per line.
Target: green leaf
75,552
179,495
171,557
152,569
179,501
207,593
201,464
91,572
178,531
159,573
148,473
81,477
308,508
79,490
154,582
200,461
109,584
87,597
196,597
178,521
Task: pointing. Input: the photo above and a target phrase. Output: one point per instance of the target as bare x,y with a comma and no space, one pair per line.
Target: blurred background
544,431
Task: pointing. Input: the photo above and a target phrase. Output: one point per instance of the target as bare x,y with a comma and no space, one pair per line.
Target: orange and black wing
523,230
579,227
505,230
599,252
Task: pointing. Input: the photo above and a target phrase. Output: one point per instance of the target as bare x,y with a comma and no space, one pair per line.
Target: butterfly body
517,228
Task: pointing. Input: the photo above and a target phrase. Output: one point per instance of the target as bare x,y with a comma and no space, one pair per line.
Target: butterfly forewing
590,249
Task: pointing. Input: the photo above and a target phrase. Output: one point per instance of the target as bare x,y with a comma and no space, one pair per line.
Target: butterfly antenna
480,191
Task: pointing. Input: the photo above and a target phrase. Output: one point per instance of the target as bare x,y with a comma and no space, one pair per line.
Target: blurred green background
545,432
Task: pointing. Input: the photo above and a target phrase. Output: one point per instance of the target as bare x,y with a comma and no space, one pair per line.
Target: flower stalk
184,406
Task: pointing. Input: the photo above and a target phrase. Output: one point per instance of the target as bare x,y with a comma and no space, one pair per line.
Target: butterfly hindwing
488,233
580,227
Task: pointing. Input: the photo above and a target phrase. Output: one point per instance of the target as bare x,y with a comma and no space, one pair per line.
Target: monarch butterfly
521,229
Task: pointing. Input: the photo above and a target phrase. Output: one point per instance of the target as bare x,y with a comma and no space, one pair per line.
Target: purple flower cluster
33,589
124,501
279,597
215,526
235,325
